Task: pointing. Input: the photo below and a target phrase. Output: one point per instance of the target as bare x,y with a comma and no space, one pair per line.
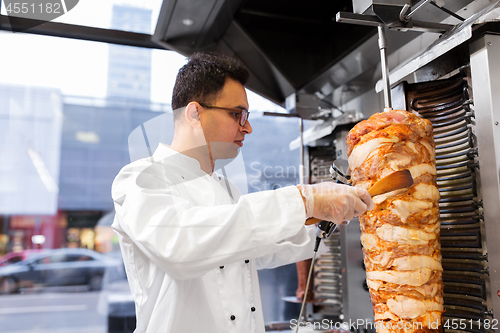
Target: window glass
69,113
12,260
59,257
75,257
43,260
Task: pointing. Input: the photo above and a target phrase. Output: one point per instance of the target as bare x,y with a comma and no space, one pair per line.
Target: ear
191,114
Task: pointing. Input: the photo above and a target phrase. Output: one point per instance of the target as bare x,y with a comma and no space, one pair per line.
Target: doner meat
400,237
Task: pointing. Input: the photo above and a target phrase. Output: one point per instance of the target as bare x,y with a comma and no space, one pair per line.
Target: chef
191,244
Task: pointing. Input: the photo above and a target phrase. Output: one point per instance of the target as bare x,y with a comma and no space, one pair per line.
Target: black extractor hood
285,43
297,46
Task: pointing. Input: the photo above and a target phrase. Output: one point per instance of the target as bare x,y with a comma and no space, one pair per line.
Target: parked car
60,267
13,257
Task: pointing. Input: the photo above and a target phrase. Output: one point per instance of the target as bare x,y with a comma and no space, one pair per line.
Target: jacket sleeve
294,249
187,240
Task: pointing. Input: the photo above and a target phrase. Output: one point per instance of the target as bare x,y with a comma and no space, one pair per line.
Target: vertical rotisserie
400,237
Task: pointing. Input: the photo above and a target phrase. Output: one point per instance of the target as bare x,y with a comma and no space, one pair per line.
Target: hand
335,202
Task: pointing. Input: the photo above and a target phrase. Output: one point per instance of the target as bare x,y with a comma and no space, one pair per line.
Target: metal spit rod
324,230
382,44
399,21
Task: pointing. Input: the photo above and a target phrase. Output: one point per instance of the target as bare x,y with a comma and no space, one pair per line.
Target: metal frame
374,21
392,19
80,32
484,55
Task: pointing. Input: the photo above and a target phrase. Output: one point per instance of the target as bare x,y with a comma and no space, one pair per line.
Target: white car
60,267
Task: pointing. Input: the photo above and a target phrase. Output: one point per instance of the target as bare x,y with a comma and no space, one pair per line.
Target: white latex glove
335,202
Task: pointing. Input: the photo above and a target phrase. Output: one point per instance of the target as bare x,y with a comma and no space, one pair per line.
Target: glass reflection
64,135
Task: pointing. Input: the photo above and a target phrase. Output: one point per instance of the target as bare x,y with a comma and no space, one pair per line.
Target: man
191,244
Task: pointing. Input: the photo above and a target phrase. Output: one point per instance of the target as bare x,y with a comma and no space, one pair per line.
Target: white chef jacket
191,252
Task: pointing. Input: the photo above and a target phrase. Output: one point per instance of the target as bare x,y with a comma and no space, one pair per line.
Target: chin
230,153
225,150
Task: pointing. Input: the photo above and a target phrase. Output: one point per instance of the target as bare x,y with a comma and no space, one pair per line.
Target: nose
247,128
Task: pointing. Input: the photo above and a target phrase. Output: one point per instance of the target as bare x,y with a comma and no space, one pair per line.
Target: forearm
190,240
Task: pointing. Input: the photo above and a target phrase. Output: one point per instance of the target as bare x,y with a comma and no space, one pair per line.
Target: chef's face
221,128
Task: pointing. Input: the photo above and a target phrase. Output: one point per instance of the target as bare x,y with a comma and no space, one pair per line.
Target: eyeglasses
242,113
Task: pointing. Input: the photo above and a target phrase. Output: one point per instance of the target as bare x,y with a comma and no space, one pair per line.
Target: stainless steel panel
356,302
485,69
355,298
361,6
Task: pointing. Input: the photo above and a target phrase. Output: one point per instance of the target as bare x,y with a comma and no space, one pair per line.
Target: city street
54,310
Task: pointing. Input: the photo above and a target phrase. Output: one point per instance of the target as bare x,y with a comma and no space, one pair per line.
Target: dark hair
203,78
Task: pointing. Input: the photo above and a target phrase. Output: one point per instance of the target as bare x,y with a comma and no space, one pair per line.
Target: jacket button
233,317
247,261
221,267
252,308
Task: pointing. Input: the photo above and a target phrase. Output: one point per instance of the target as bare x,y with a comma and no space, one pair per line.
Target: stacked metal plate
328,277
327,269
447,105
